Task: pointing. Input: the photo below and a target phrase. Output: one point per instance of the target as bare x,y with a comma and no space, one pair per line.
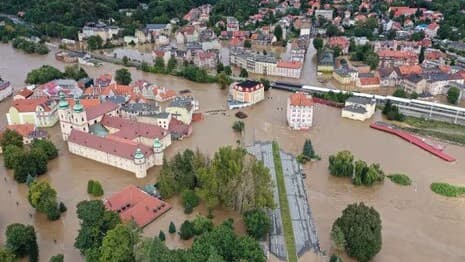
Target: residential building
182,108
368,82
98,29
340,42
206,59
359,108
414,83
326,61
326,14
300,111
25,93
5,89
232,24
391,58
345,75
41,112
245,93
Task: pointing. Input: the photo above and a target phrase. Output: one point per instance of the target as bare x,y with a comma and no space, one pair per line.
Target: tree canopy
123,76
43,198
257,222
21,240
453,95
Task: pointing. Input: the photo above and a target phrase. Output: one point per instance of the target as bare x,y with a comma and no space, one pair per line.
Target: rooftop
300,99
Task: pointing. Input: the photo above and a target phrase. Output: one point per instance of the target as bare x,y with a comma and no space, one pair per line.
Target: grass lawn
447,190
284,206
400,179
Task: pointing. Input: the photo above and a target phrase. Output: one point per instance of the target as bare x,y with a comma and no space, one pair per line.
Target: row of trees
48,73
392,112
231,179
30,47
342,165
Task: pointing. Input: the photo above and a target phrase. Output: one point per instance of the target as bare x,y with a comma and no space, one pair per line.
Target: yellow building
40,112
182,109
345,76
246,93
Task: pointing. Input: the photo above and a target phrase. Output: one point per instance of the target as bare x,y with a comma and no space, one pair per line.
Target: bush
400,179
172,228
341,164
162,236
94,188
447,190
187,230
258,223
238,126
189,200
361,226
201,225
57,258
62,207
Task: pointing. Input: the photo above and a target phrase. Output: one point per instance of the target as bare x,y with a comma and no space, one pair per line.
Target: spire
139,154
157,144
77,106
63,104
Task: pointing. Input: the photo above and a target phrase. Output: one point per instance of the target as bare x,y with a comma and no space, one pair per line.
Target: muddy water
417,225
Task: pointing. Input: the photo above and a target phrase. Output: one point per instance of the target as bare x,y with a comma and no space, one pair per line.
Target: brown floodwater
418,225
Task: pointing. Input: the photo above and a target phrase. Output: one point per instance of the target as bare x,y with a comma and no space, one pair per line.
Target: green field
284,206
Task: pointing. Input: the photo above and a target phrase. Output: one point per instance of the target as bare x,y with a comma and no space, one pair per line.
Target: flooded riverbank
418,225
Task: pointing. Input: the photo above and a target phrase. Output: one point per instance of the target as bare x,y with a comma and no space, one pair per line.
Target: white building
300,111
5,89
359,108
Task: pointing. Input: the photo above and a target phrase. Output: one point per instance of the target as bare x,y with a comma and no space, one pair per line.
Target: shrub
62,207
238,126
94,188
448,190
257,222
162,236
400,179
341,164
201,225
172,228
187,230
57,258
189,200
53,213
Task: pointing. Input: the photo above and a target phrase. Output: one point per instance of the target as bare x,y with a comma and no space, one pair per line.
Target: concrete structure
246,93
41,112
98,29
326,62
345,75
359,108
5,89
300,111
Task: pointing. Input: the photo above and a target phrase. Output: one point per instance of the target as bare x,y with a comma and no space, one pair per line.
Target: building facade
300,111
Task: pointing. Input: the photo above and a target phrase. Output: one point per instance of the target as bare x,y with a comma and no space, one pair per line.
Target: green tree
159,65
421,56
12,155
238,126
318,43
361,226
227,70
167,183
219,68
6,255
162,236
341,164
308,150
42,197
361,169
21,240
75,72
172,228
243,73
30,163
190,199
11,137
335,258
223,80
94,42
372,60
453,95
172,63
337,237
125,60
278,32
257,222
90,186
266,83
247,43
57,258
201,225
145,67
187,230
400,92
123,76
118,244
47,147
43,75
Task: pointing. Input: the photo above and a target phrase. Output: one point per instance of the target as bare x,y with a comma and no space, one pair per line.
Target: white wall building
300,111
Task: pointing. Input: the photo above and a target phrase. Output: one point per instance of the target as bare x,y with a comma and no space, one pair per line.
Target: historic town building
300,111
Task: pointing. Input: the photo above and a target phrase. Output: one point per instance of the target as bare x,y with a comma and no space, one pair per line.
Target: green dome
77,106
138,154
157,143
63,104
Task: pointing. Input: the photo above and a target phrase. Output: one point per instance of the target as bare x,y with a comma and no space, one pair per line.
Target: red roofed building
432,30
248,92
339,41
288,69
25,93
404,10
28,131
368,82
391,58
208,59
41,112
132,203
300,111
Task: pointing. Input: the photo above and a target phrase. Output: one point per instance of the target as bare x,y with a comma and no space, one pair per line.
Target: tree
11,137
337,237
361,226
125,60
258,223
6,255
172,63
219,68
94,188
43,75
243,73
42,197
372,60
47,147
12,155
335,258
400,92
421,56
308,150
201,225
341,164
123,76
118,244
247,43
75,72
361,169
187,230
238,126
94,42
223,80
57,258
159,65
318,43
189,199
278,32
453,95
266,83
162,236
172,228
227,70
21,240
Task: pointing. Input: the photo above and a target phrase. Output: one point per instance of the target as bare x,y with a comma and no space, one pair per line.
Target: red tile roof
23,130
118,147
25,93
178,127
30,105
101,109
364,81
289,64
300,99
133,204
87,102
408,69
130,129
396,54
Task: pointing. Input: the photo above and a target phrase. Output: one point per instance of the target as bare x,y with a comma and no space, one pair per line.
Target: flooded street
418,225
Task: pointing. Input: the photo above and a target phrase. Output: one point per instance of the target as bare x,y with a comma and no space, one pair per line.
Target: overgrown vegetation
392,112
48,73
335,97
284,205
308,153
29,46
400,179
94,188
342,165
43,198
447,190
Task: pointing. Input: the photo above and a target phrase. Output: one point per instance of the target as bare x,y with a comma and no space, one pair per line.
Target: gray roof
155,26
360,100
356,109
140,108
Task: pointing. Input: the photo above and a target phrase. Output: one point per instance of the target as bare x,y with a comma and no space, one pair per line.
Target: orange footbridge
412,139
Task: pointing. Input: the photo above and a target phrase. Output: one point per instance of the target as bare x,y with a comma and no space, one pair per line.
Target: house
245,93
5,89
345,75
391,58
98,29
388,77
326,14
69,87
41,112
182,108
133,204
232,24
291,69
414,83
368,82
326,61
432,30
25,93
130,40
29,132
340,42
359,108
187,34
156,29
206,59
300,111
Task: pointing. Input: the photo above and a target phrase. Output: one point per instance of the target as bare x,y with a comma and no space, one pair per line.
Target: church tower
64,113
79,117
139,161
158,152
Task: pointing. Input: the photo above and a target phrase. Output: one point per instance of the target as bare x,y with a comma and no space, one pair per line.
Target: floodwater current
418,225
